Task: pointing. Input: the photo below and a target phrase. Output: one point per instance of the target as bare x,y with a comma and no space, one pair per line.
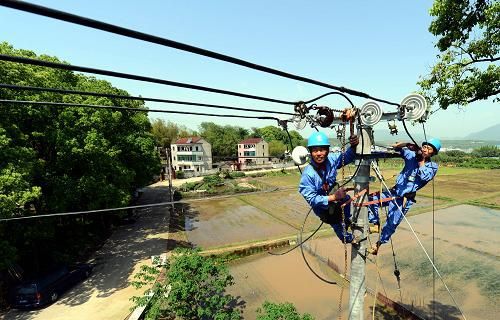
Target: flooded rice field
466,255
247,218
467,242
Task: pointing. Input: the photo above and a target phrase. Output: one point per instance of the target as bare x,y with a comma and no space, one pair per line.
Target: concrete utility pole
360,230
169,173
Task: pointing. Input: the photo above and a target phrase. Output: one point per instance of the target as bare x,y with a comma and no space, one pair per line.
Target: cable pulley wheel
371,113
415,106
324,117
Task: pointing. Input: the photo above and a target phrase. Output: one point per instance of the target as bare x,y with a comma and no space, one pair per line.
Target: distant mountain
491,133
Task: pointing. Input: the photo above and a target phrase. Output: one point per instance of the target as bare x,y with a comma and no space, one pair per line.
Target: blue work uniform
410,179
311,187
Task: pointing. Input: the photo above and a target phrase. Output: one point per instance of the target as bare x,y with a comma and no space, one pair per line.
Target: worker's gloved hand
340,194
354,141
412,147
418,155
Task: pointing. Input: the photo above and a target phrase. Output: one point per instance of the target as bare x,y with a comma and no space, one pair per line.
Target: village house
192,155
253,147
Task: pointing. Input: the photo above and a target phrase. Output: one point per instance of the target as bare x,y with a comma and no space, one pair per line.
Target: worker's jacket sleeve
308,187
348,155
407,154
427,171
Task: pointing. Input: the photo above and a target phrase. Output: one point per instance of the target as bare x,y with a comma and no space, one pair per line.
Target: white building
192,155
253,147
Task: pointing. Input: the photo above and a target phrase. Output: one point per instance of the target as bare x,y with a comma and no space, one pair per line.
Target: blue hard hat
318,139
434,143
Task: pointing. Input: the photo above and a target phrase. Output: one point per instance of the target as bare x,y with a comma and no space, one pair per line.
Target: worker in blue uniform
417,172
319,178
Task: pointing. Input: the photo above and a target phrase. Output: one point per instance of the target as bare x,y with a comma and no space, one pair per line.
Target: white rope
379,174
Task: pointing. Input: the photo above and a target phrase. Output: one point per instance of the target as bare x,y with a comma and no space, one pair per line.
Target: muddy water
467,242
223,222
286,278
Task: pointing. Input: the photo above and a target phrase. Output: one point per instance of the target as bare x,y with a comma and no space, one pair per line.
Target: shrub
180,174
274,311
237,174
213,180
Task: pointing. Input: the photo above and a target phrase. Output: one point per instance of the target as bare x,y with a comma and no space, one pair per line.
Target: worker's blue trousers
340,227
394,215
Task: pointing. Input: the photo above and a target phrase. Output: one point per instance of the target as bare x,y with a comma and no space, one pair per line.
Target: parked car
48,288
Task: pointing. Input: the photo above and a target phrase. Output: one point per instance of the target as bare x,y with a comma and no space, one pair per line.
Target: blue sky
378,47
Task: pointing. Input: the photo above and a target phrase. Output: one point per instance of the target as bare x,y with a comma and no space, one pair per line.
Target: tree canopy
280,311
166,132
196,288
467,69
56,159
224,139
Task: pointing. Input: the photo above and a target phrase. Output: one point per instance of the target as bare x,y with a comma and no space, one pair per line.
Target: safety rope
427,255
433,240
376,258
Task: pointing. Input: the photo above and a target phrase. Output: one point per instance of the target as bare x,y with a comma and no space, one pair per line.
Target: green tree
468,40
280,311
486,152
167,132
224,139
277,148
272,133
55,159
196,288
297,139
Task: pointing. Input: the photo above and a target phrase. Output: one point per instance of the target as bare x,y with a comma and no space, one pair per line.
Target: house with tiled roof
192,155
253,151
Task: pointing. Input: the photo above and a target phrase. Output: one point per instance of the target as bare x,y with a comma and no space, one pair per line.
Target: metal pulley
301,108
371,113
414,106
324,116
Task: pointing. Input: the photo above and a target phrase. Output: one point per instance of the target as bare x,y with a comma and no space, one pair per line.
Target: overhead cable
160,204
117,96
94,106
122,75
95,24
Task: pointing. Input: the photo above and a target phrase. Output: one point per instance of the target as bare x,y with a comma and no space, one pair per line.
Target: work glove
340,194
418,155
354,141
412,147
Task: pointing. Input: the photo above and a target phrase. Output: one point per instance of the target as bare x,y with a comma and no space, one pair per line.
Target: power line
123,75
117,96
94,106
95,24
160,204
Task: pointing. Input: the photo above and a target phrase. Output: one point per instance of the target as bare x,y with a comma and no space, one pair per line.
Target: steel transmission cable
95,24
94,106
144,206
117,96
129,76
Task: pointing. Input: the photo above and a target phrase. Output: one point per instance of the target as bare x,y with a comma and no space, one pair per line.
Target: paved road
178,182
106,293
